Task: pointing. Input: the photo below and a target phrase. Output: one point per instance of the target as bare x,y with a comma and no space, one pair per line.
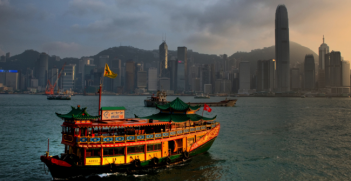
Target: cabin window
93,152
89,131
119,151
96,131
82,132
154,147
66,130
76,131
135,149
108,151
63,129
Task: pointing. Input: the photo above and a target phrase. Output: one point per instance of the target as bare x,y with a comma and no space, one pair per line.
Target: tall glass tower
282,49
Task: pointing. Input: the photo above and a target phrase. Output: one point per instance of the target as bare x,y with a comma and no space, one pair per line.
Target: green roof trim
176,117
77,113
113,108
178,105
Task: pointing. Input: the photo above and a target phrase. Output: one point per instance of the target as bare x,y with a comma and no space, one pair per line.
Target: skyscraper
68,77
182,55
282,50
333,69
163,55
180,76
152,79
173,68
323,50
41,69
309,72
130,76
265,75
244,77
295,79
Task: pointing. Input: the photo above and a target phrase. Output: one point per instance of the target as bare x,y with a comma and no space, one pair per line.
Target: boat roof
78,114
177,105
178,118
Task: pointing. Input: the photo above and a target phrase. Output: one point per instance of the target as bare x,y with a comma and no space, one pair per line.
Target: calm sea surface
260,138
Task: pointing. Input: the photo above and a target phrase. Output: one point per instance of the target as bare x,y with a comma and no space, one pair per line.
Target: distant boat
303,96
59,97
159,99
202,96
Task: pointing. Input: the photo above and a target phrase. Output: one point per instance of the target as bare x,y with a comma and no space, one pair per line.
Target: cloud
83,7
1,52
59,48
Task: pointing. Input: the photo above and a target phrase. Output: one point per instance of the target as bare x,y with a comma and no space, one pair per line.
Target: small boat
201,96
159,99
224,103
110,143
303,96
59,97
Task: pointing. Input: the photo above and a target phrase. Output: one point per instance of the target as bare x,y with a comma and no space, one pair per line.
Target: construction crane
49,87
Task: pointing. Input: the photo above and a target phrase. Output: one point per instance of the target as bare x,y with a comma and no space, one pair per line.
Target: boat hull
58,171
224,103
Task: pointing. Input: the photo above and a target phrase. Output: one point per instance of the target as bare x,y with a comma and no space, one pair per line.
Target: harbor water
260,138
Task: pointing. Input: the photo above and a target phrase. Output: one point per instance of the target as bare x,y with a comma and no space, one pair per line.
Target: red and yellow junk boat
111,143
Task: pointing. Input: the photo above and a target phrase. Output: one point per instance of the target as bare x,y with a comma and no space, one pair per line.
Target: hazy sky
75,28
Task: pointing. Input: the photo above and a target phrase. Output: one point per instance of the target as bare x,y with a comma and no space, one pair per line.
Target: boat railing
143,137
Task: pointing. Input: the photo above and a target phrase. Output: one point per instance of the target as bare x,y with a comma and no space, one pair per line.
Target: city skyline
69,29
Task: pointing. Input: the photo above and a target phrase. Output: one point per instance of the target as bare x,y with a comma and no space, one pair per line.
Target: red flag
207,108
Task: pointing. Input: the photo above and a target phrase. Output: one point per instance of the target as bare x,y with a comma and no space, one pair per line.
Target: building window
135,149
76,131
108,151
154,147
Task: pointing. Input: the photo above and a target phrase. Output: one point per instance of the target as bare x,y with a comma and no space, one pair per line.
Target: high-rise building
208,88
173,68
323,50
226,86
195,86
309,73
163,55
205,75
244,77
116,67
265,75
152,79
181,76
130,76
68,77
141,79
41,69
217,88
295,79
8,56
12,79
345,73
103,59
2,58
333,69
165,84
82,62
182,56
282,50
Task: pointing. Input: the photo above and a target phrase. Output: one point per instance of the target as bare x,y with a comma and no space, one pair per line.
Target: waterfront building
309,73
295,79
2,58
182,56
208,88
282,48
217,88
165,84
152,79
181,76
11,79
141,79
130,76
82,62
163,55
196,85
173,68
205,75
68,77
41,69
226,86
116,67
8,56
345,73
266,75
244,77
333,69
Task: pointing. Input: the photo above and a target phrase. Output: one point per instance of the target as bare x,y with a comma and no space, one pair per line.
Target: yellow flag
108,73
